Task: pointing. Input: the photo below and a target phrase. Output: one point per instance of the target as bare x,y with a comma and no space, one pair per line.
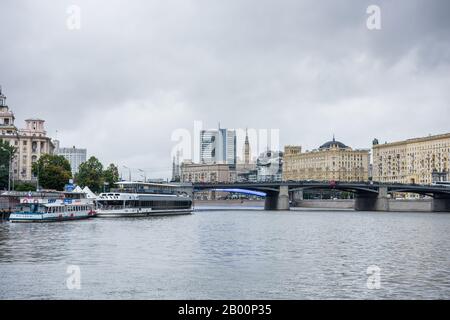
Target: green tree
25,186
90,173
111,175
52,171
6,153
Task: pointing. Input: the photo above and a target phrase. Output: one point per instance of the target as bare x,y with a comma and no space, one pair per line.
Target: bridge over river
368,196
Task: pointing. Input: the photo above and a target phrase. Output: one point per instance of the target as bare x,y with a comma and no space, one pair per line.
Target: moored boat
70,206
137,199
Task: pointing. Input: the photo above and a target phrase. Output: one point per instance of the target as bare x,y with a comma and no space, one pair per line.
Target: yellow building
200,172
332,161
30,142
419,160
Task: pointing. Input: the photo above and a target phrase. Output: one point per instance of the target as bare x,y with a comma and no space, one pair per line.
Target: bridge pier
371,201
297,195
440,204
277,200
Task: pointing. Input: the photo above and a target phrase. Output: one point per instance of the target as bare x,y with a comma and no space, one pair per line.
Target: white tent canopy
89,193
78,189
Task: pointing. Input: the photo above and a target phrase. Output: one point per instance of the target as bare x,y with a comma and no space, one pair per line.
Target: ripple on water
231,255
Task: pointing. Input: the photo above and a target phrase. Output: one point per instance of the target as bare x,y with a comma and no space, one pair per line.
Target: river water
232,254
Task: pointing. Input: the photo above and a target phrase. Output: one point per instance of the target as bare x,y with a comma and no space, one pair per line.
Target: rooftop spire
2,98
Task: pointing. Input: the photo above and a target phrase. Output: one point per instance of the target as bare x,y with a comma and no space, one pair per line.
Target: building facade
419,160
333,161
176,171
218,146
30,142
195,172
269,166
75,156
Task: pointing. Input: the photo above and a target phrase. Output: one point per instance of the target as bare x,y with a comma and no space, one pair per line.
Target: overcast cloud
138,70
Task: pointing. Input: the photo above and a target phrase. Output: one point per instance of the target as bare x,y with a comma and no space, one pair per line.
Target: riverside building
331,161
30,142
195,172
419,160
75,156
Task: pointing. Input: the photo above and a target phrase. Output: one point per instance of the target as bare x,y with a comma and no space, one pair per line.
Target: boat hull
33,217
141,212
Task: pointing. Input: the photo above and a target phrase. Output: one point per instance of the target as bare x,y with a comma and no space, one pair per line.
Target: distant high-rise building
218,146
176,167
74,155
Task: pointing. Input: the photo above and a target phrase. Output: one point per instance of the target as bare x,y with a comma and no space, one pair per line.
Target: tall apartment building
75,156
332,161
218,146
30,142
420,160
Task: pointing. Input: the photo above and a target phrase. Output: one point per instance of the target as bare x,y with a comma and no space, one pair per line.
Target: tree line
54,172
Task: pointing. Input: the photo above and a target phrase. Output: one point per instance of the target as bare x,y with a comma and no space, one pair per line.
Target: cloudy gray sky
138,70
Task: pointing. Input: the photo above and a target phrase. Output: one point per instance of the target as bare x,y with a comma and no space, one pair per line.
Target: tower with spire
246,148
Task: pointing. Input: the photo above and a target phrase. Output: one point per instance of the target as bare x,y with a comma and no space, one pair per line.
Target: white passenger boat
137,199
70,206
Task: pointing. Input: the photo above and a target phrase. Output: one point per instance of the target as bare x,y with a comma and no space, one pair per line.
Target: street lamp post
144,174
129,173
9,170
